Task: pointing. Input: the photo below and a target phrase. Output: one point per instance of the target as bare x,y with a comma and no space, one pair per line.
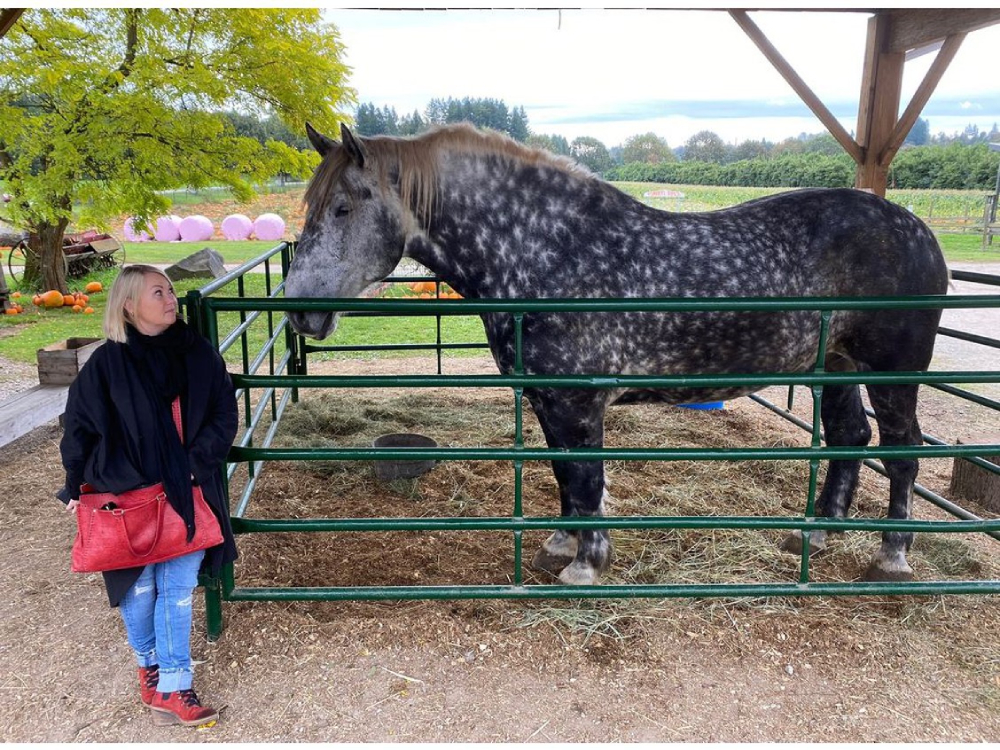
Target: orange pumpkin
77,308
69,300
88,310
10,311
37,300
16,295
53,298
93,287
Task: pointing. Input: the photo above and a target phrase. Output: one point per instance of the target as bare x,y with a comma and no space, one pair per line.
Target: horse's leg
895,409
844,423
577,556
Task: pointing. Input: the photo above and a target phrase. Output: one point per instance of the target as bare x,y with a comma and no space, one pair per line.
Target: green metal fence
272,369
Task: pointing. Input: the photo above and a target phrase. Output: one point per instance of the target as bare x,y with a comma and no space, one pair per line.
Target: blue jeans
157,615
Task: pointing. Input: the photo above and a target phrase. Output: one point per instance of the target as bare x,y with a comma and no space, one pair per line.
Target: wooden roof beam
944,57
912,28
798,85
8,17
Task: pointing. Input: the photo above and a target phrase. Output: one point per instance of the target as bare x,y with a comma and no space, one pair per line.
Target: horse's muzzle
315,325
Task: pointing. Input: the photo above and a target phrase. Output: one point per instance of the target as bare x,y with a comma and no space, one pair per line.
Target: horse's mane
414,162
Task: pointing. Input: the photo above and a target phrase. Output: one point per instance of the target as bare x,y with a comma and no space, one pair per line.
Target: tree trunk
45,267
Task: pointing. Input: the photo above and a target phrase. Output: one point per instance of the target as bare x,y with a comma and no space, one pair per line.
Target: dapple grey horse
498,220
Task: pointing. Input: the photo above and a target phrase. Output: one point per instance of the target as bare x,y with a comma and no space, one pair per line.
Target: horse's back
853,242
805,243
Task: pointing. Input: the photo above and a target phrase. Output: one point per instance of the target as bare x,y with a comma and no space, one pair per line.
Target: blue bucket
710,406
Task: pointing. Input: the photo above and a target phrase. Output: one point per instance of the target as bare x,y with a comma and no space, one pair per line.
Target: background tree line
961,161
483,113
951,167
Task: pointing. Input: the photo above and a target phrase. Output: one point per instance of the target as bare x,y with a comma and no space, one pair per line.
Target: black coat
110,434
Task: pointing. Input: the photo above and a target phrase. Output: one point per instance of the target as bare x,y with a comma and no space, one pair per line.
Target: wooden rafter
892,34
8,17
944,57
798,85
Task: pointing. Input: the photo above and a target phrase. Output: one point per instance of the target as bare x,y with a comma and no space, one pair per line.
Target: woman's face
156,309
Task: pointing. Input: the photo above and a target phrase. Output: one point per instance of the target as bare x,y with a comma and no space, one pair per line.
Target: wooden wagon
82,253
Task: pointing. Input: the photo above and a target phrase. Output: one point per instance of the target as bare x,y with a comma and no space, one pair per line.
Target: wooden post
971,482
881,87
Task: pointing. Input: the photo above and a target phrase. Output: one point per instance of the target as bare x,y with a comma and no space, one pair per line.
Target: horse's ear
319,141
354,148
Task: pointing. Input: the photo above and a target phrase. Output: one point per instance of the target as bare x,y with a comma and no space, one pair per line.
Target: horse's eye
341,211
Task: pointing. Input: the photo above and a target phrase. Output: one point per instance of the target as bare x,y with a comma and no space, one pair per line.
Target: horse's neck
494,222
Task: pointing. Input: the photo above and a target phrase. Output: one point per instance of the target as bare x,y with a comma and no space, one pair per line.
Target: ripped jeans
157,615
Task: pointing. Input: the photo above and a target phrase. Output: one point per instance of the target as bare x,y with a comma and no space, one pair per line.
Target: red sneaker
149,677
181,707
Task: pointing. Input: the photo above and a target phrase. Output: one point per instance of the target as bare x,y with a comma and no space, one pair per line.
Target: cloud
691,108
945,106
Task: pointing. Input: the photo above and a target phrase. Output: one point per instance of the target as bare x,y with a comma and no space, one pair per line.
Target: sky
612,74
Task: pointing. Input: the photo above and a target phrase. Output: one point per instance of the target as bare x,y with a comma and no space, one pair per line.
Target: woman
120,435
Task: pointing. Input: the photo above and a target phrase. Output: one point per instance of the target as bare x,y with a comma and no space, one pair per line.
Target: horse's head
354,229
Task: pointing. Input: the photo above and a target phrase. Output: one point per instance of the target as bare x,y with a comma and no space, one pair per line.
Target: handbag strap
175,408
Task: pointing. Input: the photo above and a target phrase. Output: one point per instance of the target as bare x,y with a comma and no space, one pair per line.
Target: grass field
21,336
171,252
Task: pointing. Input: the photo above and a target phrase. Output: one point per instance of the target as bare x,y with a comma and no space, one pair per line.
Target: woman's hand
71,505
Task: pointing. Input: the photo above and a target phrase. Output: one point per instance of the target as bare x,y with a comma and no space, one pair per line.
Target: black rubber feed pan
399,469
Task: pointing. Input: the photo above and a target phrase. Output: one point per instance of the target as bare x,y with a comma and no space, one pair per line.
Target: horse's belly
680,395
646,344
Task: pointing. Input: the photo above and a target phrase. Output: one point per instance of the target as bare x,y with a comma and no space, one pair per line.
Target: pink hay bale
132,234
269,227
236,227
167,229
196,228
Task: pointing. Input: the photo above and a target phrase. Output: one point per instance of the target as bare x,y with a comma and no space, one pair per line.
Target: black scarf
161,361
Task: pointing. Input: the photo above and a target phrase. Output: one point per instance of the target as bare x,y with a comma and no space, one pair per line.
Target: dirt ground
860,669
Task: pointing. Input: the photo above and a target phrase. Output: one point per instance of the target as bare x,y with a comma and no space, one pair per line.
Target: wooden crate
59,363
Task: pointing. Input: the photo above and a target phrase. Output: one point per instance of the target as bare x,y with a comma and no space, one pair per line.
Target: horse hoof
558,551
550,563
877,574
578,574
793,543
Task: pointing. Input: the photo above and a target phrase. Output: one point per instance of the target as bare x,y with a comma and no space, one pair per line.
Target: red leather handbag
138,527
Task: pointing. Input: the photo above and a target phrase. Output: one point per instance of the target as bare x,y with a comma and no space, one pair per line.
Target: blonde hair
128,287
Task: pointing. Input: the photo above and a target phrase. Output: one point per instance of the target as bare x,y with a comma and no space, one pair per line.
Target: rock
206,263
